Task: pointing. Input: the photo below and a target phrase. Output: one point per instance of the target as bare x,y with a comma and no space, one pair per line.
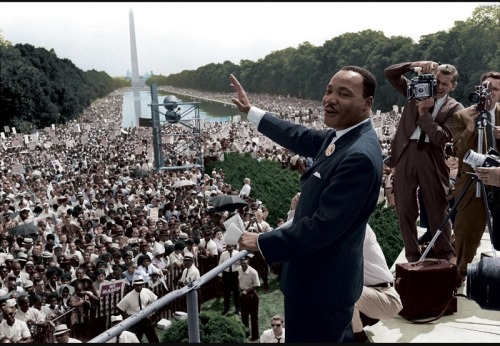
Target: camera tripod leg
443,224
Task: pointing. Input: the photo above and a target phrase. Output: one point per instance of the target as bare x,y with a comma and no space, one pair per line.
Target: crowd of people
80,204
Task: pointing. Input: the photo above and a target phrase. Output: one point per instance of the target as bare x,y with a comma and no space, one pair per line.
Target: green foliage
214,328
272,185
39,89
384,222
472,46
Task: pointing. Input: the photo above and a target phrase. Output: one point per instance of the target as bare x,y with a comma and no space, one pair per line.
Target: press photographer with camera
418,153
470,221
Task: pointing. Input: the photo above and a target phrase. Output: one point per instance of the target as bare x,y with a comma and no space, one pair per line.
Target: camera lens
474,98
473,159
483,283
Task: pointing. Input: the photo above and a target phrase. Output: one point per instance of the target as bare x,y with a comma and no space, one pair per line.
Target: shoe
425,238
224,312
361,337
253,339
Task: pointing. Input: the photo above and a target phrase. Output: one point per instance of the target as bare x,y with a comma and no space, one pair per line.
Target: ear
368,103
454,86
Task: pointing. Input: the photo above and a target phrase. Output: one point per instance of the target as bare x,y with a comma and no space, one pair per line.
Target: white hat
28,241
61,329
117,318
138,280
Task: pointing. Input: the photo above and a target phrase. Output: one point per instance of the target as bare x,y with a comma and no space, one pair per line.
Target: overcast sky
172,37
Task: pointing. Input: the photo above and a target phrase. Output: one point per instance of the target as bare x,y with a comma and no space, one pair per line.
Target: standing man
135,301
338,194
248,280
470,220
418,155
230,280
245,190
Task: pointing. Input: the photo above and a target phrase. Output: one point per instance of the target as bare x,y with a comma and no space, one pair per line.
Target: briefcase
427,288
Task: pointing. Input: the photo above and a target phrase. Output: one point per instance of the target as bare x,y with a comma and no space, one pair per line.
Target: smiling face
343,102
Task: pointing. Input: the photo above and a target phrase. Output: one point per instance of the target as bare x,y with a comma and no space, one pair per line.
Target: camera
421,87
483,283
490,159
481,97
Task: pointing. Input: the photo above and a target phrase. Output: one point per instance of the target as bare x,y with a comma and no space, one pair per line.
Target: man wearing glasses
277,332
15,330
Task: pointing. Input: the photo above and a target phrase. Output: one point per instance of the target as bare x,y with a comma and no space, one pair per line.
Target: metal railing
191,292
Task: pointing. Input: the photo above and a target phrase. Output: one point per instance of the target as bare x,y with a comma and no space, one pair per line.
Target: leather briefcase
427,288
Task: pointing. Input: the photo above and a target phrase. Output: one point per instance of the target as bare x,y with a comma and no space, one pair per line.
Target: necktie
421,140
279,339
231,266
140,303
118,339
489,134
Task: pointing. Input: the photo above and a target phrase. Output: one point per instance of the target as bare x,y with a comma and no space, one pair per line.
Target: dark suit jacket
438,130
323,248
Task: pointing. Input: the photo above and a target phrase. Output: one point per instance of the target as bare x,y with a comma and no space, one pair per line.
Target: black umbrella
24,229
227,202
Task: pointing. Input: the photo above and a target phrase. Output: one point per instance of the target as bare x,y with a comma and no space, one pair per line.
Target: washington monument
136,83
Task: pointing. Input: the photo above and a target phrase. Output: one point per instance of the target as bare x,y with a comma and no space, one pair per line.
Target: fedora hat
138,280
61,329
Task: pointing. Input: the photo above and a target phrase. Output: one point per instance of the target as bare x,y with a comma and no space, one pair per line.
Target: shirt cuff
258,246
255,114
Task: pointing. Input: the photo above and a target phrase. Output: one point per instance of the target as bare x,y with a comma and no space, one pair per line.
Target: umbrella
183,182
24,229
227,202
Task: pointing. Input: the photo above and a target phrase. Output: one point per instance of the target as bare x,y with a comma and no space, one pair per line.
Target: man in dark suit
418,155
322,282
471,216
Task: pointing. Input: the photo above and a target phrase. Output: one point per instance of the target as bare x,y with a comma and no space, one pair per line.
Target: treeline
471,45
38,89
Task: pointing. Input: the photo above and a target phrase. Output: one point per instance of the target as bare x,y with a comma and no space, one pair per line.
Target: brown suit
425,169
470,220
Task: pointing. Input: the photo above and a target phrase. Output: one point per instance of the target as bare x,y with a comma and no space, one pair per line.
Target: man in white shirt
16,330
230,279
190,272
277,332
135,301
245,190
379,299
61,334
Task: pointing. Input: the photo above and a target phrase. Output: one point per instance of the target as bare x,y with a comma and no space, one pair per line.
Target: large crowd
81,203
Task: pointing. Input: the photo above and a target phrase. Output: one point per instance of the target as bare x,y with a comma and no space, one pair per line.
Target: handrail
192,304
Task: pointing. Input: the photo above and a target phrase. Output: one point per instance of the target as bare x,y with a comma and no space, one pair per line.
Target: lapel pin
330,149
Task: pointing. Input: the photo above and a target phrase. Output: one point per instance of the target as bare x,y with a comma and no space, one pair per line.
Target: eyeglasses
276,325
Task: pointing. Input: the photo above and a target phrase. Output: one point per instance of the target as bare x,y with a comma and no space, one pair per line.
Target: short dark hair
369,80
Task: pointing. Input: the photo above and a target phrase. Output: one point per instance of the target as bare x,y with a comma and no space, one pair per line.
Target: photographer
470,220
418,155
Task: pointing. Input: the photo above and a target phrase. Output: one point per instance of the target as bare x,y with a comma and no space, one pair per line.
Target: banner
110,287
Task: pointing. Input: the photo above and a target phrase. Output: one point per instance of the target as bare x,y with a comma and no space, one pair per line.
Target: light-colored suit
322,251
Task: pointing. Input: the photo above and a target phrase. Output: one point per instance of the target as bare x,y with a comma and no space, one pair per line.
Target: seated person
379,299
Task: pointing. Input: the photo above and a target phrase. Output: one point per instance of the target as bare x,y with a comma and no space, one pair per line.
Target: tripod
482,189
